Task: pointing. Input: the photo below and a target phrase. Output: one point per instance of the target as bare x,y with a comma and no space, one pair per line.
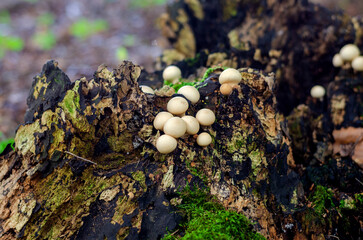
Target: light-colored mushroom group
174,123
349,53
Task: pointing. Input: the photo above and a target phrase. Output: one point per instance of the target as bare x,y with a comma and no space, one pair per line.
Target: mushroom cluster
349,53
174,123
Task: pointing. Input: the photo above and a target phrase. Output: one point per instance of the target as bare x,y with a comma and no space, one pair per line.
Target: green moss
206,218
180,84
140,177
355,203
322,199
210,71
122,143
70,103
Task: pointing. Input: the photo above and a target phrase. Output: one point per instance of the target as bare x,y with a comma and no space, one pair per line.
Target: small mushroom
147,89
172,74
205,117
166,144
317,92
190,92
204,139
357,63
192,124
230,75
175,127
337,60
177,105
226,89
349,52
160,119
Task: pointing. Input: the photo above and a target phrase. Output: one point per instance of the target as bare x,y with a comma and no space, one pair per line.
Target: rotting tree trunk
293,38
48,194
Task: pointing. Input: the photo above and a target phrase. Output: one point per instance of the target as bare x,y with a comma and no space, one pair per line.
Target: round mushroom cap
166,144
171,73
230,75
317,91
204,139
349,52
190,92
226,89
147,89
192,124
205,117
357,63
177,105
160,119
175,127
337,60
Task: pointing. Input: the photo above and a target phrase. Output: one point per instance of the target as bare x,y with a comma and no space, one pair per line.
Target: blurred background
80,35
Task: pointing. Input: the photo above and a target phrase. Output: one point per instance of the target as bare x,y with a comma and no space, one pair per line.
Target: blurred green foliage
85,28
46,19
44,40
129,40
5,17
121,53
10,43
146,3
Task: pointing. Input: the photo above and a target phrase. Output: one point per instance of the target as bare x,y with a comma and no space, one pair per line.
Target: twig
358,181
81,158
333,236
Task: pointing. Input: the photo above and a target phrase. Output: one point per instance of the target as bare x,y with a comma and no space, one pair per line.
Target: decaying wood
295,39
258,164
108,120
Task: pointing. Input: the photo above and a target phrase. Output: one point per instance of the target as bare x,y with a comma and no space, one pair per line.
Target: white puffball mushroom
337,60
349,52
230,75
177,105
204,139
317,91
192,124
171,73
160,119
190,92
147,89
175,127
226,89
357,63
166,144
205,117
